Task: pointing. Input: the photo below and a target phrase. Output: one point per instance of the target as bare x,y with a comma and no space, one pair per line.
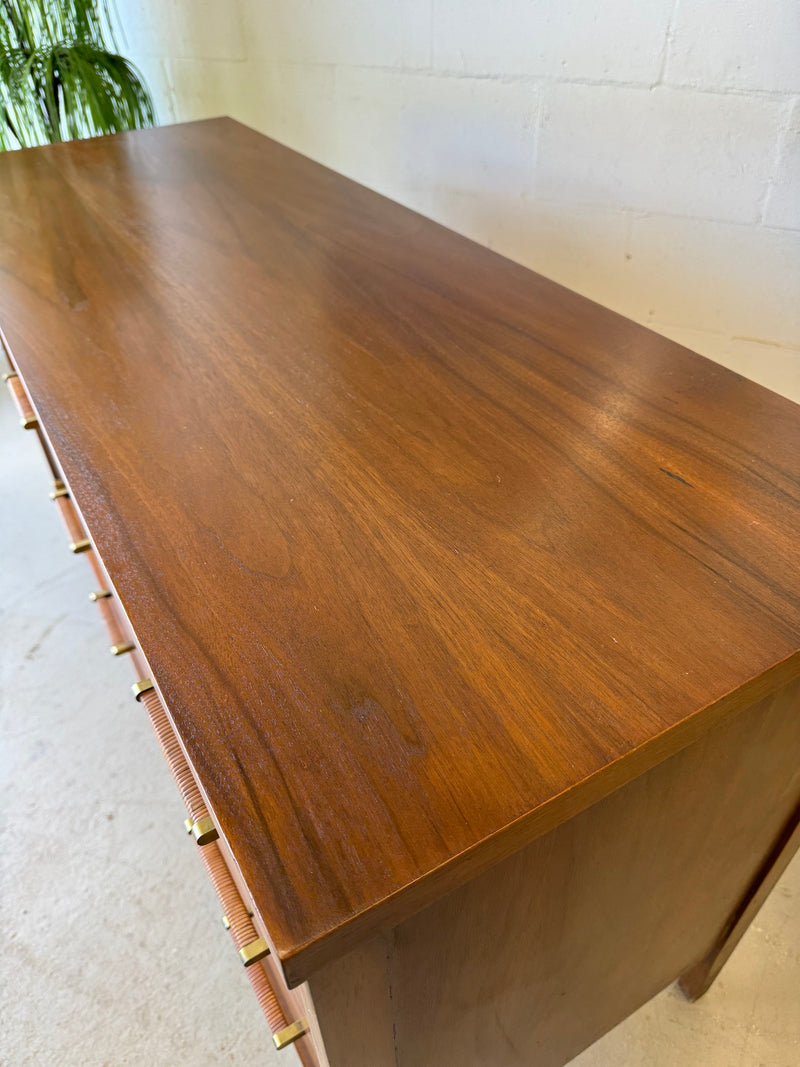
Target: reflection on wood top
427,553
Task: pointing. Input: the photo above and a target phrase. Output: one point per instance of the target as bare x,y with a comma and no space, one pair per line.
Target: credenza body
466,612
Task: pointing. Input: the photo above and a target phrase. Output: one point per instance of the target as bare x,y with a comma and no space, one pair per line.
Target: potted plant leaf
61,76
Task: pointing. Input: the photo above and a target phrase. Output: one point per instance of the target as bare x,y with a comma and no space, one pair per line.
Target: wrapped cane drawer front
279,1005
252,948
27,416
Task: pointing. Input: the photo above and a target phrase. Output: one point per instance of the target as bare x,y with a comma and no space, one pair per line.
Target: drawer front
251,947
27,416
119,631
78,539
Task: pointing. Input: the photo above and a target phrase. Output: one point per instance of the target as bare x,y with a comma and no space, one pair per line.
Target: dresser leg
698,979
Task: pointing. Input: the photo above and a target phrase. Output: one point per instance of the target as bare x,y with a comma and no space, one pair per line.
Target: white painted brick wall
211,29
736,44
410,132
294,103
707,155
367,33
783,199
587,39
692,273
643,152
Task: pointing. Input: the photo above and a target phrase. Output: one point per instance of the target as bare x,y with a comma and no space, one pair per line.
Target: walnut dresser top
425,552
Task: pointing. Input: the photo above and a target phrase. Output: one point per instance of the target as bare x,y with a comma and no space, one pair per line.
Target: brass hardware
120,650
29,423
144,685
204,831
226,922
63,491
101,594
188,824
290,1033
81,546
9,375
253,951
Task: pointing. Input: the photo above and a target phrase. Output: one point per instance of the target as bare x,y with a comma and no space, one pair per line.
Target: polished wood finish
533,961
426,553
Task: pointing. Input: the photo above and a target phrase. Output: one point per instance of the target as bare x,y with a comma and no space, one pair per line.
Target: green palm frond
61,76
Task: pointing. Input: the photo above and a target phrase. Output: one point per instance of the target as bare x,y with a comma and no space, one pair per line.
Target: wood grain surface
426,552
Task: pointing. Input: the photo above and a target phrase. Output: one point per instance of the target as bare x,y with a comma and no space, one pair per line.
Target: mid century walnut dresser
466,611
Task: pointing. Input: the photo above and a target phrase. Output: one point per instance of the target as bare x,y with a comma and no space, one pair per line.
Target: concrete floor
114,951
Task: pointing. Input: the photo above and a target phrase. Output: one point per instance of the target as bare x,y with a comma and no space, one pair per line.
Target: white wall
643,152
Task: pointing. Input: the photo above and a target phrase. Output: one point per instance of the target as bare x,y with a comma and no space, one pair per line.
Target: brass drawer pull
289,1034
100,594
253,951
120,650
84,545
144,685
204,831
